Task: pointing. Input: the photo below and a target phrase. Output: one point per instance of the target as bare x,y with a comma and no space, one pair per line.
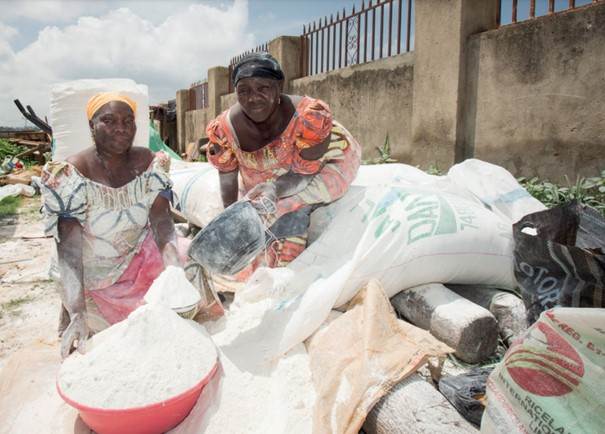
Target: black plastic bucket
230,241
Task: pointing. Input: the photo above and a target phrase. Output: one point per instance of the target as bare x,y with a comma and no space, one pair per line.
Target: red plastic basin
149,419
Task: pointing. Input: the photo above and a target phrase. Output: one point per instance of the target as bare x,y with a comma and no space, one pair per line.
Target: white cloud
166,56
6,34
48,10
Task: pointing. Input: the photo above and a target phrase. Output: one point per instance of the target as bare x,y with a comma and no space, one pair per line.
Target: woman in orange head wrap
108,208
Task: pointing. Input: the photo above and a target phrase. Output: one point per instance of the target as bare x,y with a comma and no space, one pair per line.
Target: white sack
71,132
14,190
396,223
495,187
197,190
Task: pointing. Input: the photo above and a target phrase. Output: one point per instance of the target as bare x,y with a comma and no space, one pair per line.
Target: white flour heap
172,289
151,356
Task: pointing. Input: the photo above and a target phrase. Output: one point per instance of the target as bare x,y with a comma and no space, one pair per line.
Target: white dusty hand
263,198
75,335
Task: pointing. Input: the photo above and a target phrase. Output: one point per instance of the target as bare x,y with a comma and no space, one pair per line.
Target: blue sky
164,44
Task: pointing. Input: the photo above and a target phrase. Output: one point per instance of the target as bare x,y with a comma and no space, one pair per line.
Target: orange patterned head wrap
100,99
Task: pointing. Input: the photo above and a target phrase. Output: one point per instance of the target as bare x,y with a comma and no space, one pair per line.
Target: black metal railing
514,11
378,29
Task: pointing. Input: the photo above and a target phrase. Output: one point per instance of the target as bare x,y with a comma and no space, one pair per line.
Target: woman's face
258,97
113,127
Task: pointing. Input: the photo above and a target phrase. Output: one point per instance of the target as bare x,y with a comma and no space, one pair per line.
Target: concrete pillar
288,51
442,28
182,106
218,85
471,330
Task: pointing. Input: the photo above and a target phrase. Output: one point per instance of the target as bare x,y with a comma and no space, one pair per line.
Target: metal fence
514,11
379,29
258,49
198,95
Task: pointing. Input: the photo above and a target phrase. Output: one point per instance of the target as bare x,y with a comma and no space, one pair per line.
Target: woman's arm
162,228
69,250
229,187
292,183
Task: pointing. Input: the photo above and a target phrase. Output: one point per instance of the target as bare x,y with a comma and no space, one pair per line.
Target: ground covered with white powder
151,356
172,289
253,392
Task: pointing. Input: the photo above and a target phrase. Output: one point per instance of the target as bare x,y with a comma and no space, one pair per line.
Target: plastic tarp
156,143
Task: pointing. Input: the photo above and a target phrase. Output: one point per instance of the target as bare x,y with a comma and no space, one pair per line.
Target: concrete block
415,407
463,325
218,85
440,41
508,309
287,51
182,107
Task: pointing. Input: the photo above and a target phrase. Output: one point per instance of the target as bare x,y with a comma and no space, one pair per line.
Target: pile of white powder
152,356
172,289
254,392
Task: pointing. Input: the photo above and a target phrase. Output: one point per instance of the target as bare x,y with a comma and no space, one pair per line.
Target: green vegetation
588,191
16,302
434,170
9,206
13,305
384,154
8,149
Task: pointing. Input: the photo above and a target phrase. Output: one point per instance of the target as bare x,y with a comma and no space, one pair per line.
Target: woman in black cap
291,155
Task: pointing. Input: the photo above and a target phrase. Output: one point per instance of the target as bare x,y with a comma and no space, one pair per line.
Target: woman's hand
265,191
170,255
263,198
75,335
69,250
291,183
162,228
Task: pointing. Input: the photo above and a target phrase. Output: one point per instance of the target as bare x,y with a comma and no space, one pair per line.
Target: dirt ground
29,303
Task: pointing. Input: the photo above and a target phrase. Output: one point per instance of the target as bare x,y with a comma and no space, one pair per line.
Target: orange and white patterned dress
311,125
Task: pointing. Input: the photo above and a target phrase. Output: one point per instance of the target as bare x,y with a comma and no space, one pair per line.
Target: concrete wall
182,106
371,100
527,96
227,101
539,88
196,121
287,50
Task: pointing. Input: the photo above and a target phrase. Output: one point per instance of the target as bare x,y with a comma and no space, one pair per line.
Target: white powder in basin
172,289
152,356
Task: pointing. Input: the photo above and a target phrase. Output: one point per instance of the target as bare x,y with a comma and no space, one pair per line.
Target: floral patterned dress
119,255
311,125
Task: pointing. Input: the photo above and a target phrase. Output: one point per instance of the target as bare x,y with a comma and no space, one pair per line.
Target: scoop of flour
151,356
172,289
